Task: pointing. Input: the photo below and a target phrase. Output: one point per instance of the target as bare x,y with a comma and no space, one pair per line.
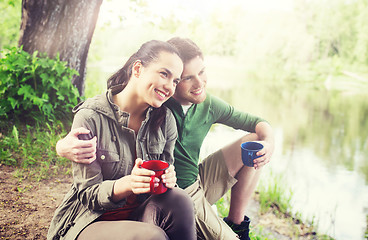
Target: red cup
159,168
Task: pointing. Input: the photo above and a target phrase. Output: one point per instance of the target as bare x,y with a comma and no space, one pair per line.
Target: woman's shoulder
99,104
169,114
91,103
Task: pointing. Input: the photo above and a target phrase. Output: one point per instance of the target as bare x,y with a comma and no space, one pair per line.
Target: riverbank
27,206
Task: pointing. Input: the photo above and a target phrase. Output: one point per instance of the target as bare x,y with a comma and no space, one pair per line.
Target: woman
108,199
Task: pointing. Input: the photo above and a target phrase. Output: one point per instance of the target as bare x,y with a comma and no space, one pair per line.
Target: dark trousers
165,216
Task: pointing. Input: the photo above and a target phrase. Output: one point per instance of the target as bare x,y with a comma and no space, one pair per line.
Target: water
321,150
334,197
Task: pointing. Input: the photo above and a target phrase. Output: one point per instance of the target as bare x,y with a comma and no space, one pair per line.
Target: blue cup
249,152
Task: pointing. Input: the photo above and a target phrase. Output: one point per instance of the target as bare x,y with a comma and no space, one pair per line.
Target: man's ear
137,68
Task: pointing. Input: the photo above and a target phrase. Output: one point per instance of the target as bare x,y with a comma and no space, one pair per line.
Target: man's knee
232,153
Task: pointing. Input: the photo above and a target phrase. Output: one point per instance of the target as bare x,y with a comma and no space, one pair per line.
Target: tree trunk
60,26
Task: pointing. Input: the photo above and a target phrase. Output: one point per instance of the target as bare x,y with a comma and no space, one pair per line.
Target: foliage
366,229
222,206
9,23
273,195
32,149
35,87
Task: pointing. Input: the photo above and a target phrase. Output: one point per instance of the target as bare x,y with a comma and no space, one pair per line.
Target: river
321,150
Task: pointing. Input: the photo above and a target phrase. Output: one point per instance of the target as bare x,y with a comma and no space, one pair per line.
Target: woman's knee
153,232
122,230
180,199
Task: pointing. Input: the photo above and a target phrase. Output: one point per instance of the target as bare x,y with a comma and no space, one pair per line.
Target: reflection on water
334,197
321,150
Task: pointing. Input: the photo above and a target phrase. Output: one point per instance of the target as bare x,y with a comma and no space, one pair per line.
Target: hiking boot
241,229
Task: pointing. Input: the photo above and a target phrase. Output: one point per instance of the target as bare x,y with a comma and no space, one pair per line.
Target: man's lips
197,91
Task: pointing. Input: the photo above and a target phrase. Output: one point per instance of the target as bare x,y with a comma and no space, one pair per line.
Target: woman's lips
162,94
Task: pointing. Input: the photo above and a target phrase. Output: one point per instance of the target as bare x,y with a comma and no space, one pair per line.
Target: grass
275,201
31,149
274,196
366,229
255,233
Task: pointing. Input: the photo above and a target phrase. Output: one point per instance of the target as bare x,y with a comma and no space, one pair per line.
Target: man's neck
186,108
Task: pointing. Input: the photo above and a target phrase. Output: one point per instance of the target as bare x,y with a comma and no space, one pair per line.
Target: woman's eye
176,81
164,74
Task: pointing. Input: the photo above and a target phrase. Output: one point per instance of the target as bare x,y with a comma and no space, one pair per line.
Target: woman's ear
137,68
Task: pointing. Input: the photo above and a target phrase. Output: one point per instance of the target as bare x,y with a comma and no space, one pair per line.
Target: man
207,181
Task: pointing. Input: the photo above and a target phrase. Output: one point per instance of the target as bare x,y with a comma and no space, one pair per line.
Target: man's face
192,87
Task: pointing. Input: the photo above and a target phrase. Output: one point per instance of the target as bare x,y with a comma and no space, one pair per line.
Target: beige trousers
213,182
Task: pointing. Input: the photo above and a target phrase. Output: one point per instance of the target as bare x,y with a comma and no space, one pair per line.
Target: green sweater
193,128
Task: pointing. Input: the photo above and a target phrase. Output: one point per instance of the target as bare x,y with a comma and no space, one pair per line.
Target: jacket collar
104,104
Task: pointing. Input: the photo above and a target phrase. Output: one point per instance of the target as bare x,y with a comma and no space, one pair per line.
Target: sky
114,10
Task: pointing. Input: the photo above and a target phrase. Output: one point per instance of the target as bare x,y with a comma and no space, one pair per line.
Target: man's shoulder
213,101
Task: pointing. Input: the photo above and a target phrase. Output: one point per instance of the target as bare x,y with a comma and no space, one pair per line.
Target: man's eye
176,81
201,72
186,79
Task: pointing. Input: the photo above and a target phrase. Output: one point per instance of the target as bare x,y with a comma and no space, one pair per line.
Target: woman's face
158,80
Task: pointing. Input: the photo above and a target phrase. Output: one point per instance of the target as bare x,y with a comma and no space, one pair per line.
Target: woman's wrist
121,188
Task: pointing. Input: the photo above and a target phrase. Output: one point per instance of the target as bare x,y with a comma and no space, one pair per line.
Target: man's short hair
187,48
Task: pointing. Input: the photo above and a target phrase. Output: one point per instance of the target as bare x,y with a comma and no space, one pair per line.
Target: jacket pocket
110,164
106,156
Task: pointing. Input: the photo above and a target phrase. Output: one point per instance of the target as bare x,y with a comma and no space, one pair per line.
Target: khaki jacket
117,145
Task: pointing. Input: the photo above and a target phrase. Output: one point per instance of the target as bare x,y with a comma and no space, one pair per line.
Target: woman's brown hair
147,53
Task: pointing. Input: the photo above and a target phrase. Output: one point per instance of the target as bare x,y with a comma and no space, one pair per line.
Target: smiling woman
114,188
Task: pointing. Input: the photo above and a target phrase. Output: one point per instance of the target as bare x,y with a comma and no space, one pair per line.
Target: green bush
35,87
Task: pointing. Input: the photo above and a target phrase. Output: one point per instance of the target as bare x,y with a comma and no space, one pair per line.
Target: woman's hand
80,151
138,181
169,178
140,178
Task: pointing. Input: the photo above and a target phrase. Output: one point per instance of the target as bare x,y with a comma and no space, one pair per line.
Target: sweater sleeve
226,114
93,191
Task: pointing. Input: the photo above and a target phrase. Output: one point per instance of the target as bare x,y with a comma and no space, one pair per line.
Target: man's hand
266,151
80,151
266,136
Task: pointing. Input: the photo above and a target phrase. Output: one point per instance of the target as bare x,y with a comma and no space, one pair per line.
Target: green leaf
47,109
26,90
45,96
38,101
29,82
13,102
44,77
15,134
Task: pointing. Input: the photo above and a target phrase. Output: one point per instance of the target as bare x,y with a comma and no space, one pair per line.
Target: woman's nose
170,87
